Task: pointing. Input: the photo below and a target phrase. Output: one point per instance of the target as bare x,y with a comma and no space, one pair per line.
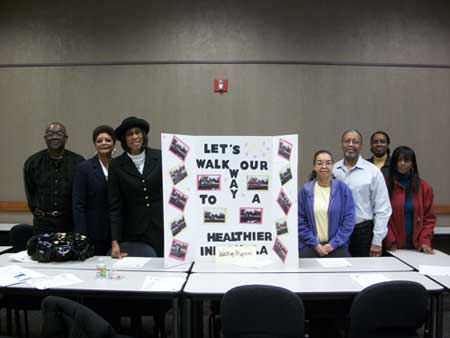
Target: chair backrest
64,318
19,235
393,305
262,311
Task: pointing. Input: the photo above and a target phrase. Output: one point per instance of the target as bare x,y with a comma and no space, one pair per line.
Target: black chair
157,309
65,318
262,311
19,236
389,309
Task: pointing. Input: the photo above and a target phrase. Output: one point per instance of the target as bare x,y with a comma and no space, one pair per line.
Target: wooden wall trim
440,209
14,206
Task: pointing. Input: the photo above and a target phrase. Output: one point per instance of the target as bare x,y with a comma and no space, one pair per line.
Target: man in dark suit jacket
135,192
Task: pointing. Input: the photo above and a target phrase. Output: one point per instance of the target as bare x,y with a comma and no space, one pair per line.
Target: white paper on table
131,262
21,256
434,270
54,281
256,264
163,283
368,279
333,262
14,274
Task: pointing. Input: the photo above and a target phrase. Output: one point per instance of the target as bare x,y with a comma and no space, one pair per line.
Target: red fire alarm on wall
220,85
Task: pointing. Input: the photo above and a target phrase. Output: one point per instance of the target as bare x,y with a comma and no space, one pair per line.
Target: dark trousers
101,247
309,252
361,239
50,224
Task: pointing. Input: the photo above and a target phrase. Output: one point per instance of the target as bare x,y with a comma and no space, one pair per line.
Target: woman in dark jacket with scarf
412,221
135,193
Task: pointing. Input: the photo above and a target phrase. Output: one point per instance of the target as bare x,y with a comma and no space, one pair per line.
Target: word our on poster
230,191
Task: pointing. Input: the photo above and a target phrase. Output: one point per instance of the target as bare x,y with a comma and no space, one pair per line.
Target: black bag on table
60,247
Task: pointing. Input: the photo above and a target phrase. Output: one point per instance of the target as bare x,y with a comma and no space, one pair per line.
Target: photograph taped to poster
231,191
280,249
178,250
214,215
284,149
208,182
285,174
177,226
284,201
178,173
251,215
257,182
179,148
178,199
281,226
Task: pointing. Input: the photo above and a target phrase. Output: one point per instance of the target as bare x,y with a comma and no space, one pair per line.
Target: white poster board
228,191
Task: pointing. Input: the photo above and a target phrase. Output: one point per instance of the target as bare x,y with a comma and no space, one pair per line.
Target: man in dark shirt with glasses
48,176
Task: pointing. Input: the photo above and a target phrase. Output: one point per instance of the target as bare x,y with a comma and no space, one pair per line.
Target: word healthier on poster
229,191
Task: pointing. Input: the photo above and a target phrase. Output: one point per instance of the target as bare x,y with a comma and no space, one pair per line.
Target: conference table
151,282
415,258
130,287
154,264
445,281
440,259
353,264
306,284
4,248
312,279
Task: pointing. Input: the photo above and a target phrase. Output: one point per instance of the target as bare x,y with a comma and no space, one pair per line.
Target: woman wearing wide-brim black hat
135,193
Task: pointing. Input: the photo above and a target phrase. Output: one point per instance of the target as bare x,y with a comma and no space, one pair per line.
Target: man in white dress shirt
373,207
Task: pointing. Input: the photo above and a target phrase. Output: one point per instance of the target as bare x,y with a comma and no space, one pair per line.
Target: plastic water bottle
113,273
100,268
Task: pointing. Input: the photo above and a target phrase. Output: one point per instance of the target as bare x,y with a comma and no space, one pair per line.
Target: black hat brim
131,122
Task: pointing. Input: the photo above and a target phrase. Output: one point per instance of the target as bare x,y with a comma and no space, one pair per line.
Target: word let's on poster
230,191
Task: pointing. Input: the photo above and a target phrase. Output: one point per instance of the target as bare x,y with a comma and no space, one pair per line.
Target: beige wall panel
401,31
16,217
319,102
412,105
443,221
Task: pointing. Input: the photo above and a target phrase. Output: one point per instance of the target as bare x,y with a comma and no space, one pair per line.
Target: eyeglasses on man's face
55,133
351,141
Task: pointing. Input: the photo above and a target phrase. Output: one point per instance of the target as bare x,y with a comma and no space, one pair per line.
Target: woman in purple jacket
326,212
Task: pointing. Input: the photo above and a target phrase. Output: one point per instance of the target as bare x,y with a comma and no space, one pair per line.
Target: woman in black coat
135,193
90,192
